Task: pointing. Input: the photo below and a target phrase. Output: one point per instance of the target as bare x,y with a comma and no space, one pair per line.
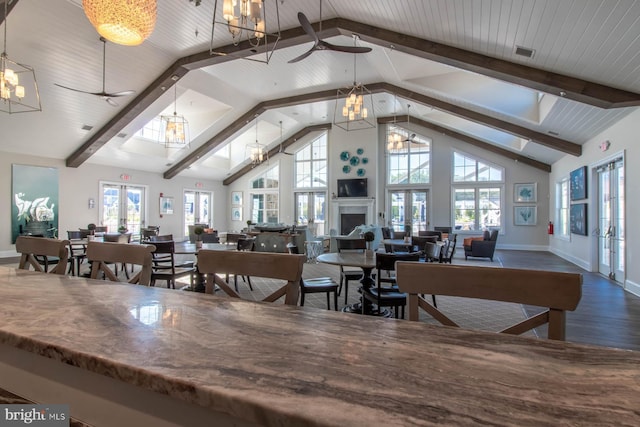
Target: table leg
365,306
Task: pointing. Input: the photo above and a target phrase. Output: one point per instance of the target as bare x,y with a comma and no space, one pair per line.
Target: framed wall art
525,193
525,215
578,183
236,198
34,201
578,219
166,205
236,214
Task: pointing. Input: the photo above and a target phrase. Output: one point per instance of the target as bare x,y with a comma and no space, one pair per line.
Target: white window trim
564,237
475,186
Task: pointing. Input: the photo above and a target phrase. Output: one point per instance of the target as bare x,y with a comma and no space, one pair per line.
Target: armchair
481,246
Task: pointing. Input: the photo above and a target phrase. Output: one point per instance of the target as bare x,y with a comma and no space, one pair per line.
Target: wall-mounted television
356,187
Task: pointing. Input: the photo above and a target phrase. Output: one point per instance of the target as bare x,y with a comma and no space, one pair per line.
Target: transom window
478,196
311,164
409,164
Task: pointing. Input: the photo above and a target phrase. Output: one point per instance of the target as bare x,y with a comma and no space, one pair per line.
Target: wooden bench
556,291
259,264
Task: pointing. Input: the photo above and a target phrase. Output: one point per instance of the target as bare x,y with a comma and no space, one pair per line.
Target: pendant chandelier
176,128
246,21
395,141
126,22
356,111
18,85
256,152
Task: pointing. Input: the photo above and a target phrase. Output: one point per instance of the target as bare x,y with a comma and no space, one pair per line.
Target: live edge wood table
122,354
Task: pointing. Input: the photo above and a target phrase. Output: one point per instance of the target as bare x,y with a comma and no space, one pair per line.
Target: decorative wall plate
346,169
344,156
365,160
360,151
361,172
354,161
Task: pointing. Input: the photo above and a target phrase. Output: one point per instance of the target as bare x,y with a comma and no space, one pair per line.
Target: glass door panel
611,220
197,208
409,207
123,205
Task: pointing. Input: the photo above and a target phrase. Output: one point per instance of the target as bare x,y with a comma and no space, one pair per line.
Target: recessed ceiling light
169,164
553,133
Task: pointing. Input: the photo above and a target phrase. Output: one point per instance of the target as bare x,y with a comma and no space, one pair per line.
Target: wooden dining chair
32,247
324,285
101,254
557,292
165,266
77,251
259,264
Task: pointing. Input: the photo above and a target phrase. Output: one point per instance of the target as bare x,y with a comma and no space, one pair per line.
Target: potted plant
122,229
198,232
249,224
369,237
407,234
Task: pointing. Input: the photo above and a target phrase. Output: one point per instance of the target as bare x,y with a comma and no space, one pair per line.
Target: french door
123,204
197,208
409,207
311,207
611,220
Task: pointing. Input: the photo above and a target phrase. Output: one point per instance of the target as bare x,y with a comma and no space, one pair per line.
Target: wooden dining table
122,354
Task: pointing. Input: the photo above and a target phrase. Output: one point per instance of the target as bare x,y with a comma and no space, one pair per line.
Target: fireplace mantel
352,205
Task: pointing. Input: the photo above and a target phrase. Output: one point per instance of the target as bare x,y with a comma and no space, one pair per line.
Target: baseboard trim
9,254
511,247
632,287
577,261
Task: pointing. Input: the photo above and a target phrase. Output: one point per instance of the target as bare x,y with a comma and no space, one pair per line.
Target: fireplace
349,221
355,211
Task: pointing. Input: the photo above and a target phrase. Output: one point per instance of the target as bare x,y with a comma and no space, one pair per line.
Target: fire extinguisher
550,228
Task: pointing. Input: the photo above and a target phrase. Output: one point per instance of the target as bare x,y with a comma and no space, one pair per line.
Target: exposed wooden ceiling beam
274,151
10,7
469,140
577,89
520,131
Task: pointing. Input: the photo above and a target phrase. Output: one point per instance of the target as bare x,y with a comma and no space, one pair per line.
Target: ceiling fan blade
122,93
348,49
306,26
110,101
304,55
75,90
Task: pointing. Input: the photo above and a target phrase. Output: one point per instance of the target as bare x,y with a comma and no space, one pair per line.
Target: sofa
481,246
356,233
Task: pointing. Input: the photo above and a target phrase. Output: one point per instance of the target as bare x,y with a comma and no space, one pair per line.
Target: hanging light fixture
246,21
18,85
126,22
356,112
395,141
256,152
176,128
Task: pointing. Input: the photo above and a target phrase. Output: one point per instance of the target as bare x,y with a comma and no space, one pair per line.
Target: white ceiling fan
319,44
107,96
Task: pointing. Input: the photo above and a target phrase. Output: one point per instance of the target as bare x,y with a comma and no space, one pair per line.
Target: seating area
481,247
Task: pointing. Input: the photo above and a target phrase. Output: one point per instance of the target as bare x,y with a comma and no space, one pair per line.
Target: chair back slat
260,264
556,291
101,253
30,247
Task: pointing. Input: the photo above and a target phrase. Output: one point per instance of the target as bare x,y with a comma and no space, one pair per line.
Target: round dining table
367,264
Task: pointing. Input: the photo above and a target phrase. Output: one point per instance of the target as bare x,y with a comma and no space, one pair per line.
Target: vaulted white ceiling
597,41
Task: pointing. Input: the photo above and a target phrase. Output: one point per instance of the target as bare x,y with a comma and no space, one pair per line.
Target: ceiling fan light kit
249,21
18,85
125,22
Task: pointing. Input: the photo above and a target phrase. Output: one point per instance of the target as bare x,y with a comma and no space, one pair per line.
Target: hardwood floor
606,316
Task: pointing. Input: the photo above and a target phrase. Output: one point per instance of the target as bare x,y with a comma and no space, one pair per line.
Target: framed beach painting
525,193
525,215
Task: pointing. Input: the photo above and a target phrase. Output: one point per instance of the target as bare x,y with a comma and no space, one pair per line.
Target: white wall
582,250
514,237
78,185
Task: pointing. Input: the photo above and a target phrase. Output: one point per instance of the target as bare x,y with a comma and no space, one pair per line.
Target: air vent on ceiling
87,127
525,51
553,133
121,135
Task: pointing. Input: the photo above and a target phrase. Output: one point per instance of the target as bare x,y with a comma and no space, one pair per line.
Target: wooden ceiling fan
103,94
319,44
